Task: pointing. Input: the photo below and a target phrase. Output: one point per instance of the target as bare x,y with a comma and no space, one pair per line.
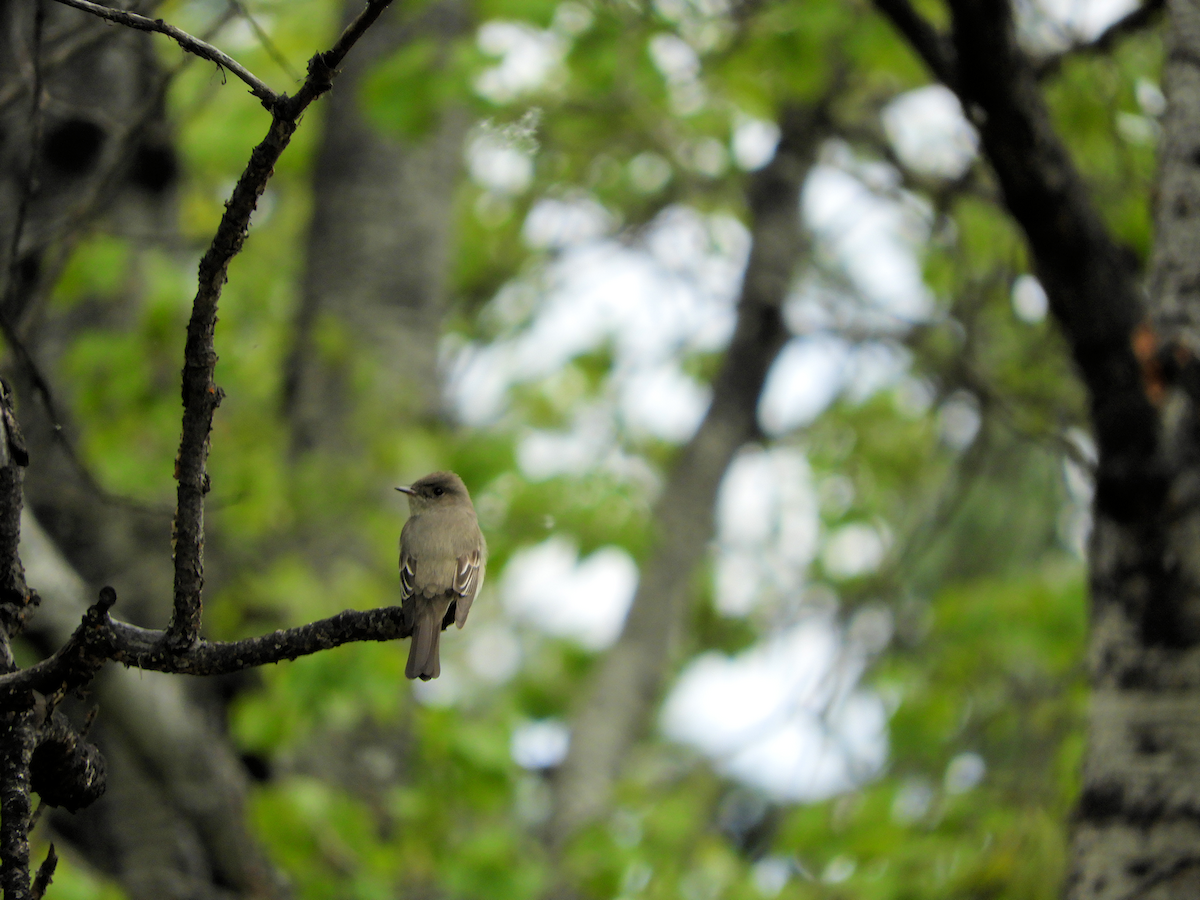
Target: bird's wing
468,578
408,574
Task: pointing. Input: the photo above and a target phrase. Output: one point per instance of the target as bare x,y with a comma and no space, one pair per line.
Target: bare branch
72,666
45,874
188,42
201,396
29,178
932,47
264,39
1090,284
99,639
145,649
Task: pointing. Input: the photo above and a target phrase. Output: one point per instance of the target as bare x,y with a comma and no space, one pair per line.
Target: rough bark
632,674
172,825
105,152
16,750
1138,822
378,253
201,396
172,822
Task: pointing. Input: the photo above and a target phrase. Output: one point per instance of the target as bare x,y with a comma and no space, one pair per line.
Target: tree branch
15,596
99,639
45,874
72,666
1091,285
188,42
201,396
16,750
932,47
144,648
29,176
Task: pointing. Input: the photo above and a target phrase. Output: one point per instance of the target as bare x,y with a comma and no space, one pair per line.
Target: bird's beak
405,490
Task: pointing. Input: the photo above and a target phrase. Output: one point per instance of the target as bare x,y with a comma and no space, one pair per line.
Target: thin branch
99,638
1131,23
14,594
90,201
934,48
145,648
201,396
72,666
265,39
45,873
29,180
40,384
188,42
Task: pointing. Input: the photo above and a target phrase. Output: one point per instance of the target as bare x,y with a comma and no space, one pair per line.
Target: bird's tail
423,661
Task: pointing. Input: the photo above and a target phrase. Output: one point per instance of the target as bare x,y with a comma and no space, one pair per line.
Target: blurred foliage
982,575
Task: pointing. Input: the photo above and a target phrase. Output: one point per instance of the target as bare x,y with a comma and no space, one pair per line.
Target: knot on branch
1165,364
12,448
320,74
66,770
16,608
97,614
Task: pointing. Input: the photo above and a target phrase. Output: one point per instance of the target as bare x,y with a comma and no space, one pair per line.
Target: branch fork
39,749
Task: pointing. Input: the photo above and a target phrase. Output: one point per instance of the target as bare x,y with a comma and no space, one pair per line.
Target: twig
91,201
30,176
188,42
265,39
201,396
45,873
935,49
40,384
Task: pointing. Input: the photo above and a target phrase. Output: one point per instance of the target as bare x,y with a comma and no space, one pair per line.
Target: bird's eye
438,491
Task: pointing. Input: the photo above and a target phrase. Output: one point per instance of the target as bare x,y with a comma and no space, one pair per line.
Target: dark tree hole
154,168
29,267
257,767
72,146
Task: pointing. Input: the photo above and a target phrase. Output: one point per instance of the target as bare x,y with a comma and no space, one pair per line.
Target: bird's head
438,489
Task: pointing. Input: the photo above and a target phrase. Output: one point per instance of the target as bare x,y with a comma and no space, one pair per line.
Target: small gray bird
443,557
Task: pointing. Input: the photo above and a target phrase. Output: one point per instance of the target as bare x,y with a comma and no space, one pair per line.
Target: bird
443,558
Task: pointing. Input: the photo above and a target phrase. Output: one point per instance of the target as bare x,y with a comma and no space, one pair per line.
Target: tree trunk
633,672
1137,832
374,294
